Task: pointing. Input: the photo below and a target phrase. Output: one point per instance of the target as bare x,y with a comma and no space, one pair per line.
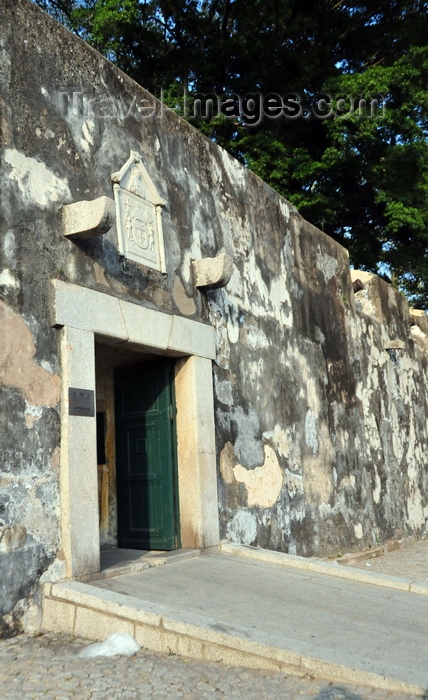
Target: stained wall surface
320,393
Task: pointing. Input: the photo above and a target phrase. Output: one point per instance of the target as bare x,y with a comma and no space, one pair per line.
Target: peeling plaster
187,258
88,129
416,513
184,303
224,391
8,280
5,65
235,172
377,489
358,529
317,470
32,414
227,462
9,247
55,459
56,572
264,483
243,527
280,439
17,366
248,291
232,324
248,446
11,538
293,483
218,320
364,304
327,265
311,432
253,338
37,184
285,209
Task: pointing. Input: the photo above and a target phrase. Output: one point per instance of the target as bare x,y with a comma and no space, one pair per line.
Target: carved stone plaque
139,210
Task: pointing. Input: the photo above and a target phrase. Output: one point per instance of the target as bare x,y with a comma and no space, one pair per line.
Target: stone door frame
83,316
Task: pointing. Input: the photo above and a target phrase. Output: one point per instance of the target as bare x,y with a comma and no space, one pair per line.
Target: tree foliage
362,180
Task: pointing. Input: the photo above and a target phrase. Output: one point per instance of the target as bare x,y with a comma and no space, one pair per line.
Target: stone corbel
419,318
88,219
396,344
419,337
213,273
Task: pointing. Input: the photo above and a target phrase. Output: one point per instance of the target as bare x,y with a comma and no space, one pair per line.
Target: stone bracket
213,273
88,219
394,344
419,318
419,337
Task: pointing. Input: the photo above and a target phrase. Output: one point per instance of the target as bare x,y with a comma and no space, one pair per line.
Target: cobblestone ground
47,667
409,562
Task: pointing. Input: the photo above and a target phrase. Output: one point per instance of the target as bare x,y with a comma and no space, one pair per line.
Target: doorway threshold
115,561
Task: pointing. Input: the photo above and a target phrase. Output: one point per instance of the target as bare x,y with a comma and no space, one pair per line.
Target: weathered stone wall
334,401
321,395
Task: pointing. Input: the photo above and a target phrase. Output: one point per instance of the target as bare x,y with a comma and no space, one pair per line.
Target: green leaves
361,176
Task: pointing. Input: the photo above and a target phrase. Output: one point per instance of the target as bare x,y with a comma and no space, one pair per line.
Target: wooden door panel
146,478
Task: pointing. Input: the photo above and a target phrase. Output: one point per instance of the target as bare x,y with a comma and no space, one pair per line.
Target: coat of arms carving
139,211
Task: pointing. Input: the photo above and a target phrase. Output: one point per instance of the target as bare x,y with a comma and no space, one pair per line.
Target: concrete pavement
264,614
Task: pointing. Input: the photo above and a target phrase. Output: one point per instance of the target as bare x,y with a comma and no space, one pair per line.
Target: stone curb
379,550
322,567
81,610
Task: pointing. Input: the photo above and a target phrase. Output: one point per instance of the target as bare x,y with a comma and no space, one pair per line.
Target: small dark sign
81,402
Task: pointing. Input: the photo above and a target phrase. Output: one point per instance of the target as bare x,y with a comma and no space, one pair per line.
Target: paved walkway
47,667
408,562
344,623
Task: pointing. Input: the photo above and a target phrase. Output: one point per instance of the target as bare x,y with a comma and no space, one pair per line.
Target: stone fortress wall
320,393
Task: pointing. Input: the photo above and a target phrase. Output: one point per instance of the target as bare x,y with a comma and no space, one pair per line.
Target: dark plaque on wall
81,402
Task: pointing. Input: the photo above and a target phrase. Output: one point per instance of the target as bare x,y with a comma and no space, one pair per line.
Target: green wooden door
146,477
